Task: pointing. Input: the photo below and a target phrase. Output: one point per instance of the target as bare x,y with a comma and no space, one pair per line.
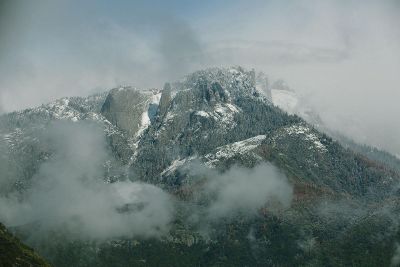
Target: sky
342,55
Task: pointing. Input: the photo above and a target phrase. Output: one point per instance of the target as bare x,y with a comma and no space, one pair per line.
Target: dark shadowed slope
14,253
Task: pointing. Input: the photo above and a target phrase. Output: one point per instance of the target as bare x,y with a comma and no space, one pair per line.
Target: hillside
14,253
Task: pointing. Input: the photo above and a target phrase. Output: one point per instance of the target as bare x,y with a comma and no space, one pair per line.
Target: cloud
245,191
68,192
50,54
238,192
180,49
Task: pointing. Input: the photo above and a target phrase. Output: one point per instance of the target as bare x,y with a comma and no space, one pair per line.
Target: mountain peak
233,78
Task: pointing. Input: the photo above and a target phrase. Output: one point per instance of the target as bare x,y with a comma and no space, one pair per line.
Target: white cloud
68,193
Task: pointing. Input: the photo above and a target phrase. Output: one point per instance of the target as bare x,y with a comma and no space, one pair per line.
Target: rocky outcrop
130,109
165,100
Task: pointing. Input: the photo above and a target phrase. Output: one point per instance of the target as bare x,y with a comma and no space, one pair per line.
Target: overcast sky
343,55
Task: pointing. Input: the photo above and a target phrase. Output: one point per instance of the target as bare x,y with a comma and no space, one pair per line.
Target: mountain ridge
213,125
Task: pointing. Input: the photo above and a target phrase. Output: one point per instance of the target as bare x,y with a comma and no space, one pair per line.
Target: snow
94,116
233,71
225,113
173,94
170,115
299,129
238,76
230,150
145,122
176,164
60,109
145,117
233,108
202,113
155,99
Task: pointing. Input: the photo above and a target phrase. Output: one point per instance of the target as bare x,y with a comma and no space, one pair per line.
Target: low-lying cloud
237,192
245,191
69,192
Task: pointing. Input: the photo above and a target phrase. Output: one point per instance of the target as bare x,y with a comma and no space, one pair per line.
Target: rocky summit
250,184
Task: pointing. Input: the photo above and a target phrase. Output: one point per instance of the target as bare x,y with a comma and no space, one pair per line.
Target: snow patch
230,150
202,114
225,113
233,71
145,117
60,109
145,122
176,164
155,99
170,115
299,129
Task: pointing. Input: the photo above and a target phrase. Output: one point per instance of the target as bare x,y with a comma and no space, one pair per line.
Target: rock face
165,100
127,108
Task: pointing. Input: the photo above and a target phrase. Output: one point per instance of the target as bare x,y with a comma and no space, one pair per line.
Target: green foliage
15,253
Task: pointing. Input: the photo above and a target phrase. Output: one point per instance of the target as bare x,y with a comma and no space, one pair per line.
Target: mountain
214,143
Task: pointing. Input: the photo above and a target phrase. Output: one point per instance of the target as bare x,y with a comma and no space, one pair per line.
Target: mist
236,192
244,191
68,194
